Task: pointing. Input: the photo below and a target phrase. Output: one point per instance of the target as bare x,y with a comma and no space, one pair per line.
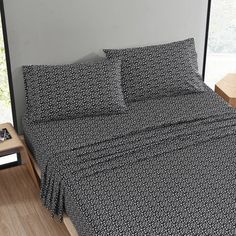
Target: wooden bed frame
66,220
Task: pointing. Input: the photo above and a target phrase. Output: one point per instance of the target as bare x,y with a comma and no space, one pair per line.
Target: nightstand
226,88
15,145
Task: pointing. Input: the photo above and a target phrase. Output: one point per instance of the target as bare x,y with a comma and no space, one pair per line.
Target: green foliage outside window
4,87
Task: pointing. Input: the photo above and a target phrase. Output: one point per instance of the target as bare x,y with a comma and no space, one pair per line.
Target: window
5,99
221,52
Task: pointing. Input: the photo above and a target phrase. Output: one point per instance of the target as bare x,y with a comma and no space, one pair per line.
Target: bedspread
154,175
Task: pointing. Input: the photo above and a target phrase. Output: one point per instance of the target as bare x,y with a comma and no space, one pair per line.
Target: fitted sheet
166,167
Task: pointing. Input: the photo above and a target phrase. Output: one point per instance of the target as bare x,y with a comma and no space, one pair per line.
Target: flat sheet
166,167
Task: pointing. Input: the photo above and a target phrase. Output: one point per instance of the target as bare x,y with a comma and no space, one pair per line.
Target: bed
166,167
134,144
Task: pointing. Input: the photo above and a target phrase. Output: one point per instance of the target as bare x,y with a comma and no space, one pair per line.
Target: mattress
166,167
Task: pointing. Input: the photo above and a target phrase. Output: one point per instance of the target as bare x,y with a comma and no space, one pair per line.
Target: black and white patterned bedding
166,167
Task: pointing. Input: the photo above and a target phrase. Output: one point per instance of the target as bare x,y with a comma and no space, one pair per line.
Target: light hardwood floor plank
21,211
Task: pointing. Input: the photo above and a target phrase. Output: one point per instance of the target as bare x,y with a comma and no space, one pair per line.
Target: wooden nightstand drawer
15,145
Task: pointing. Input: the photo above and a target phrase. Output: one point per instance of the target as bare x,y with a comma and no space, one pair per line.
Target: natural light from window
221,53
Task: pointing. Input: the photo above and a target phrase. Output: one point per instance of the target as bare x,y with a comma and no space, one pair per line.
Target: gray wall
62,31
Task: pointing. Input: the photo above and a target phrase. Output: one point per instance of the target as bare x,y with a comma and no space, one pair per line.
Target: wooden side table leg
27,161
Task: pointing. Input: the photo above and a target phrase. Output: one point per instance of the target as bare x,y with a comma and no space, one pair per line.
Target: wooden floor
21,211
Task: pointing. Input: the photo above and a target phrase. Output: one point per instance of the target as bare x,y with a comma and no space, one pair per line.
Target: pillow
69,91
156,71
